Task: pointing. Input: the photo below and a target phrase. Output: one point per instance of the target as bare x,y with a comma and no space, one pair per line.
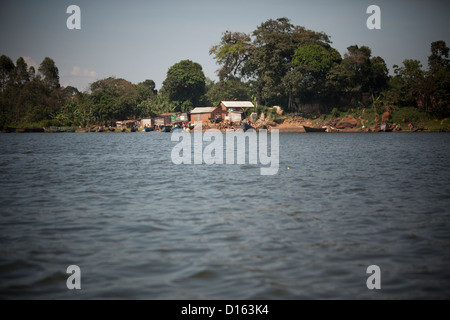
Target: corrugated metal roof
238,104
203,110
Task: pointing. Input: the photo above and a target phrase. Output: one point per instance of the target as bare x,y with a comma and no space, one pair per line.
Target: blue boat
148,129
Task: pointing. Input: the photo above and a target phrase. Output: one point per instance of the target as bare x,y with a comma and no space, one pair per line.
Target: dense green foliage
185,83
292,66
277,64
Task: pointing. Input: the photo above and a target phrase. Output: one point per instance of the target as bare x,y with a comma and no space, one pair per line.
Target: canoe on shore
311,129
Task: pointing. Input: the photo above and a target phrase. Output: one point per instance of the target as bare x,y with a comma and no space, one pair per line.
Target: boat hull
311,129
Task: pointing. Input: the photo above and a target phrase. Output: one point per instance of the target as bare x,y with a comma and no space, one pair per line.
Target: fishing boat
148,129
311,129
133,129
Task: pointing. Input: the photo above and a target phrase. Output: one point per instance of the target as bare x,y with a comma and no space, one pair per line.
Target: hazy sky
138,40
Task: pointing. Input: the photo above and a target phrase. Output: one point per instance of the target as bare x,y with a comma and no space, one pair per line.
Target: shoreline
281,129
295,125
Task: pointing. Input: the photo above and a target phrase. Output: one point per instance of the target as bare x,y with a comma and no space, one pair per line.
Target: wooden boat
311,129
148,129
133,129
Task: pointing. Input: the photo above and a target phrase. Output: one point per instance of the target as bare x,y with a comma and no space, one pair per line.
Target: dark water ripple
141,227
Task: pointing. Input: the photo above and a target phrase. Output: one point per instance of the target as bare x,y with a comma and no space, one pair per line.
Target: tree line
277,64
292,66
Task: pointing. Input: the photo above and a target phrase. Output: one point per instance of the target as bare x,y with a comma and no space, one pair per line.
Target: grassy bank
397,115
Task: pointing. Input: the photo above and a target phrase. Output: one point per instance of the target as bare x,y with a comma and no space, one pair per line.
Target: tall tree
113,99
49,73
275,44
232,90
146,89
358,73
233,54
21,73
6,67
185,83
306,80
437,82
439,56
407,84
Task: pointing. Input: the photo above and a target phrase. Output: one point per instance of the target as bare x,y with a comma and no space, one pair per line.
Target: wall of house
235,116
146,123
205,116
200,117
224,110
162,121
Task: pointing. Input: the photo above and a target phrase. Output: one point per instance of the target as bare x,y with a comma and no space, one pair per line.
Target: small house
235,116
146,123
164,119
238,107
206,114
182,117
126,124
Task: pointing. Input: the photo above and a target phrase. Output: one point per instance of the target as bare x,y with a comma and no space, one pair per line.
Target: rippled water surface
140,227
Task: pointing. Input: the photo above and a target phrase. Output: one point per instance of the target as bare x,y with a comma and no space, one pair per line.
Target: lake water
140,227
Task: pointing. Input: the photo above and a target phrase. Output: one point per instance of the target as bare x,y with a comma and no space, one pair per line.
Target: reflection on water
141,227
